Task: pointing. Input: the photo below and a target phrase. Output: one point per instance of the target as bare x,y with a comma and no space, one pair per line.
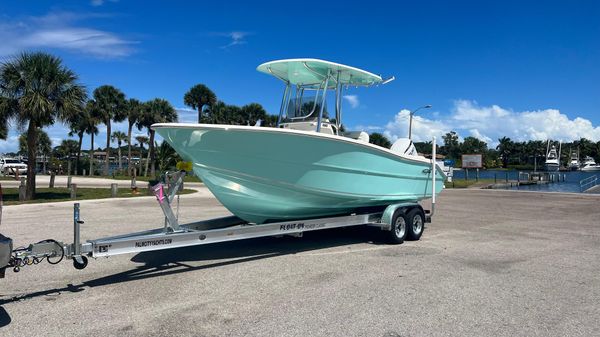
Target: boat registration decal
300,225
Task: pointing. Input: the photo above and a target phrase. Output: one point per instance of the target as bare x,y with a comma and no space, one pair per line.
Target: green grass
187,178
461,183
11,195
4,178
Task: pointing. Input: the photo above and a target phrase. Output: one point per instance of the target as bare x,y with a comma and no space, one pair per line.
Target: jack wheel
80,262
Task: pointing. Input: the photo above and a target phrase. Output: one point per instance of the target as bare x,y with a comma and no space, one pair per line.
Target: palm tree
253,112
155,111
166,157
79,126
5,109
119,137
37,89
44,145
505,148
134,111
197,96
91,128
110,104
379,139
67,149
142,140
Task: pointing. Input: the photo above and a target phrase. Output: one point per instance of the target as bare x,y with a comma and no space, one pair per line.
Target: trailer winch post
76,230
79,261
433,173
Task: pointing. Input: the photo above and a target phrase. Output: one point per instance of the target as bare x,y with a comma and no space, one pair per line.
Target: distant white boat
589,164
574,164
552,158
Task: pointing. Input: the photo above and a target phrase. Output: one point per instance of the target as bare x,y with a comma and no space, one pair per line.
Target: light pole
411,117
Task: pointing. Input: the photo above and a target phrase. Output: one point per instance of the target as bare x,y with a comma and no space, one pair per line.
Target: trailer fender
388,214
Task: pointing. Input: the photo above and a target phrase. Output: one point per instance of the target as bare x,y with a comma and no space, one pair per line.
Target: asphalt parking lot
492,263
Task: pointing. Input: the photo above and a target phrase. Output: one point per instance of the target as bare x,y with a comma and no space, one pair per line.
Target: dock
594,189
590,184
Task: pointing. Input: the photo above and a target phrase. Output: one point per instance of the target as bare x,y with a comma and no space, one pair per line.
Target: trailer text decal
300,225
153,242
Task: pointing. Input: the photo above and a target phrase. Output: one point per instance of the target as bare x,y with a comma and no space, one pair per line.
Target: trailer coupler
50,250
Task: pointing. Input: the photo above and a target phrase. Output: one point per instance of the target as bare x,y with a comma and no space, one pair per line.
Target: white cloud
187,115
423,129
11,144
352,100
237,38
367,128
58,30
97,3
489,123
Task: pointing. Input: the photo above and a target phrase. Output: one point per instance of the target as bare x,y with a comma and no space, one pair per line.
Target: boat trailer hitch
50,250
55,251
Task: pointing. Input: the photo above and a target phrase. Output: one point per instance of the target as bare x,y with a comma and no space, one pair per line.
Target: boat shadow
178,260
174,261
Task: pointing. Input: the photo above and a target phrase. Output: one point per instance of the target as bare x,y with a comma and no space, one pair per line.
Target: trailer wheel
80,264
398,232
415,224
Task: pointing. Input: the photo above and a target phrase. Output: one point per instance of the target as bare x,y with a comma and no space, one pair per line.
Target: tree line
507,154
38,90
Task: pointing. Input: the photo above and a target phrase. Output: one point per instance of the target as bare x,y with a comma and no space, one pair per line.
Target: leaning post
22,189
73,191
52,176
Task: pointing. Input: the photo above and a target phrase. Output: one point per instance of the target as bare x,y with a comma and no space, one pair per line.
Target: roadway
492,263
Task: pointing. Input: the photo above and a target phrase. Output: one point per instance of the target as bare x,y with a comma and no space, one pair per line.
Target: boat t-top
589,164
306,166
552,158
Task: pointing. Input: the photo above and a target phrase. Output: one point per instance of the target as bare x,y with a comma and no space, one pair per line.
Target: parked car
9,166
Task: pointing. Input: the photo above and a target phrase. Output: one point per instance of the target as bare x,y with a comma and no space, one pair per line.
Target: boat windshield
304,108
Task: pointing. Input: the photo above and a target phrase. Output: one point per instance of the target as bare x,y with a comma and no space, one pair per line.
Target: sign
471,161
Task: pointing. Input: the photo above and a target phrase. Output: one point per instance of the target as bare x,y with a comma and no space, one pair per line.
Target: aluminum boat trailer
401,221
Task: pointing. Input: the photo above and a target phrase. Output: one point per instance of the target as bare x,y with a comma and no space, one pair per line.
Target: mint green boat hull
266,174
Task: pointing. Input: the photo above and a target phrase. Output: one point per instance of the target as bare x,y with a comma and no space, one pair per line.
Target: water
571,183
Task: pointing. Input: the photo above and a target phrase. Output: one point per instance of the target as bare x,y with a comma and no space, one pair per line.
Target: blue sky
524,69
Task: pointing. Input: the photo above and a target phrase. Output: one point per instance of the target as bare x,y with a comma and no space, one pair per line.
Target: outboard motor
404,146
5,253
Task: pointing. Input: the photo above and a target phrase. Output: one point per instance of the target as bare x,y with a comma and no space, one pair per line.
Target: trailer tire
397,233
415,224
79,265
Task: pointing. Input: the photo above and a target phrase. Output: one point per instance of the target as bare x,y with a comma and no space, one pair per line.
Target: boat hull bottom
262,202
